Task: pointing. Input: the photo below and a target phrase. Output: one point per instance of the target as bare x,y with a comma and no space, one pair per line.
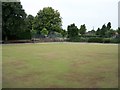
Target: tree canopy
44,32
109,25
103,30
118,30
72,31
29,22
48,18
16,24
13,16
82,29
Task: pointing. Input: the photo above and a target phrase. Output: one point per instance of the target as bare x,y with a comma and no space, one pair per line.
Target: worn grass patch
56,65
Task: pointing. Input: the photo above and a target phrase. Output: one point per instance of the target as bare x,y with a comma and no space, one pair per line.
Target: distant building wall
119,14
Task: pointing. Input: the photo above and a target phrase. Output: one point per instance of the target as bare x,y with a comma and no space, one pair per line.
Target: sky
92,13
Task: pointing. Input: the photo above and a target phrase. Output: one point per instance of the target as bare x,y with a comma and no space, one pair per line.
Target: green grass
60,65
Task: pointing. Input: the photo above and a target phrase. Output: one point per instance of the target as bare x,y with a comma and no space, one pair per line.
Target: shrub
106,40
95,39
78,39
83,39
115,40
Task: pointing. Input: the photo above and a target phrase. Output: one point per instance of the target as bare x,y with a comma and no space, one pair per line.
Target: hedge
95,39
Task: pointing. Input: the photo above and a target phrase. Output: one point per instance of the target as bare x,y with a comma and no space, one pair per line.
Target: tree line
103,34
16,24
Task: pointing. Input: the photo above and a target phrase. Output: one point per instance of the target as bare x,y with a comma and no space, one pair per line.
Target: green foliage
110,33
33,32
82,29
13,17
64,33
48,22
24,35
72,31
54,35
28,25
83,39
95,39
118,31
29,22
98,31
80,39
106,40
103,30
44,32
48,18
115,40
109,25
103,35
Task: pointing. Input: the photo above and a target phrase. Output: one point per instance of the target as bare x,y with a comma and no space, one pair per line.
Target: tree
109,26
72,31
48,18
82,29
29,22
98,31
118,31
33,33
103,30
29,25
44,32
110,33
13,16
64,33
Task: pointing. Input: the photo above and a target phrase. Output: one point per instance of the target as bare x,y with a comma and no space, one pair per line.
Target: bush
115,40
106,40
83,39
74,39
95,39
78,39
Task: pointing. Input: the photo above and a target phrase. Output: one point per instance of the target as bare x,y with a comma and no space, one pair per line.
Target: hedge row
95,40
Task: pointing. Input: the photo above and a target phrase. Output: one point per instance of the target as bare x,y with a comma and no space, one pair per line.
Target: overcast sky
93,13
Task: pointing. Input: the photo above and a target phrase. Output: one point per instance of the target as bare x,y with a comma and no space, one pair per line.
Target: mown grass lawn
60,65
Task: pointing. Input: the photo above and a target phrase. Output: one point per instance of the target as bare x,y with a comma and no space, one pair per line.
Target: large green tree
13,16
48,18
72,31
105,31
